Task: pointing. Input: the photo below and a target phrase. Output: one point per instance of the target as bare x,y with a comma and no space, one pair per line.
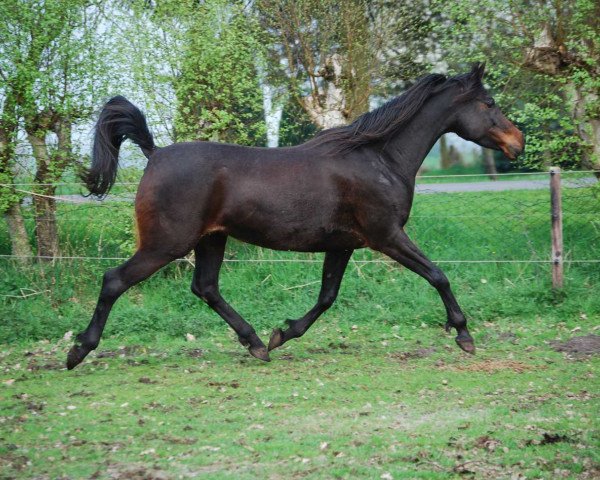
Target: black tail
119,119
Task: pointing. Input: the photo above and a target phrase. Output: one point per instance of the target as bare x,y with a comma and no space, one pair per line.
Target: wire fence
455,219
507,221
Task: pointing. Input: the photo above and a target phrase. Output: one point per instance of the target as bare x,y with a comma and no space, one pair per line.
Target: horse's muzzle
510,141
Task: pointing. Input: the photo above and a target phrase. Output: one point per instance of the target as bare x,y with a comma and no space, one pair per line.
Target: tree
324,48
50,65
406,41
10,200
218,92
543,65
489,164
566,48
197,68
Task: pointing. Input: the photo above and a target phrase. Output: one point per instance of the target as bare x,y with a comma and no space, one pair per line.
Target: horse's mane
387,119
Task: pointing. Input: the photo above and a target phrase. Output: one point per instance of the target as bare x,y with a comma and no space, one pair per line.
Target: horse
347,188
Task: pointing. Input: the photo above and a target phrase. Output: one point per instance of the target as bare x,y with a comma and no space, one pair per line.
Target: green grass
390,400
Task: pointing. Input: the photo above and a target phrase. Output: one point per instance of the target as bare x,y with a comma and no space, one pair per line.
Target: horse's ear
478,71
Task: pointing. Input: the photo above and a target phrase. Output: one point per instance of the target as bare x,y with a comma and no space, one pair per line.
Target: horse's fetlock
298,329
248,334
88,344
327,300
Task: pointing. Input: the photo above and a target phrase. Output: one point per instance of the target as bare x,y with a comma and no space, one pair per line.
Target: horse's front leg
405,252
334,266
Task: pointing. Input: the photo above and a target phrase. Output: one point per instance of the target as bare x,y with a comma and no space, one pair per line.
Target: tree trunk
489,165
16,230
273,109
327,107
455,156
10,199
445,161
46,231
588,126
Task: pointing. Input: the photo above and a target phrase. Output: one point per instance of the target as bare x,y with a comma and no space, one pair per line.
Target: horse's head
477,117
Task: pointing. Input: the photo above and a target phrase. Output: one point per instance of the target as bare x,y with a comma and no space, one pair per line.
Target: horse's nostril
516,150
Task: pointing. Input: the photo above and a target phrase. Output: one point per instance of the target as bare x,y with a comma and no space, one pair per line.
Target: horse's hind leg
334,266
404,251
114,283
209,257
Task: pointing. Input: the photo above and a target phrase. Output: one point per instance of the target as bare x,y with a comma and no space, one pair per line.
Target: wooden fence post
557,233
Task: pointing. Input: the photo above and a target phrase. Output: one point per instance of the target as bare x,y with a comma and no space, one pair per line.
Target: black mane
387,119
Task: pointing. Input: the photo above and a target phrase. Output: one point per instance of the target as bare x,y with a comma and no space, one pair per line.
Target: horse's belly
283,219
301,239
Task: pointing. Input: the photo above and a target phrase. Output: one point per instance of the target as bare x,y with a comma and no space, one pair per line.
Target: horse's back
191,189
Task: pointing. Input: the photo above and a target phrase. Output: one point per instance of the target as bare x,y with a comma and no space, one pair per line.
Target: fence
521,216
465,219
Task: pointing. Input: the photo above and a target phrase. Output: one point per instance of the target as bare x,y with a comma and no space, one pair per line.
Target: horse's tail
118,120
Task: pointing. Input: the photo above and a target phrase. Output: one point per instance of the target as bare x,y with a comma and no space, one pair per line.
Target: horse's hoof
75,356
466,345
260,352
276,339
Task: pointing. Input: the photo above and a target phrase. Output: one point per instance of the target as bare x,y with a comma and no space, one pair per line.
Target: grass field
371,401
374,390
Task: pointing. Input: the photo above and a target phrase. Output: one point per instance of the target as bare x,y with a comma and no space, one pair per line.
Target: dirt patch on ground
35,365
147,380
12,461
317,350
579,346
134,472
491,366
286,356
127,351
548,438
419,353
508,337
338,347
194,352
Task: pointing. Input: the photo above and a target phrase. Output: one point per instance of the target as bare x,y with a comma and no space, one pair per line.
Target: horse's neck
409,147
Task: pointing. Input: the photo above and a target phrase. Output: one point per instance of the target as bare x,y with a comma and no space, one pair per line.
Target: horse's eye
490,102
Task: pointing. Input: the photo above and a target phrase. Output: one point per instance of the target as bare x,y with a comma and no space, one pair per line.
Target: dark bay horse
349,187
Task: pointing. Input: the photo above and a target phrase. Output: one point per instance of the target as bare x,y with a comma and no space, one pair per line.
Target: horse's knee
208,293
439,280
